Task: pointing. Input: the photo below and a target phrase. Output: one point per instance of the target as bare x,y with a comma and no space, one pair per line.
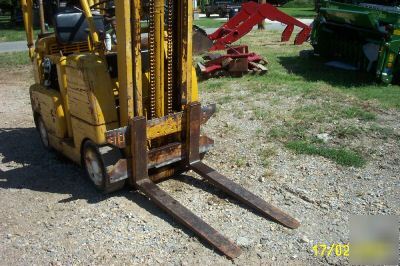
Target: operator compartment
71,26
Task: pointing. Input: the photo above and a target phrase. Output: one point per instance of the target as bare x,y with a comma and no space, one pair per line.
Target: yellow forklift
115,91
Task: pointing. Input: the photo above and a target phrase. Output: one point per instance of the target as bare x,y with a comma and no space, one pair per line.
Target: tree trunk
261,25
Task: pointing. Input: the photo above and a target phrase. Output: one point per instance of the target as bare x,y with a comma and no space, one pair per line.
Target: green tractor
363,34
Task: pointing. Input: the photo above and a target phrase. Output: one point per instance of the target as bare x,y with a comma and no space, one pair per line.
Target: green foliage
355,112
339,155
300,3
8,60
347,131
299,12
266,154
208,22
8,3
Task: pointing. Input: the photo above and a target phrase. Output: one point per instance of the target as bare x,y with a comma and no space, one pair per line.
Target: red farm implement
238,60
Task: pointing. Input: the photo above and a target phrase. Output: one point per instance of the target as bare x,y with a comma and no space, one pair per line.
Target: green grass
310,99
299,3
266,154
260,114
9,60
327,112
349,131
307,75
209,22
10,33
341,156
356,112
299,12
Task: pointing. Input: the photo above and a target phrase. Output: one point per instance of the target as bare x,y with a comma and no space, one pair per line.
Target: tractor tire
43,133
93,161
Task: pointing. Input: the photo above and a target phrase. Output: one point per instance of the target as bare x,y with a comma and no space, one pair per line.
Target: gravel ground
50,214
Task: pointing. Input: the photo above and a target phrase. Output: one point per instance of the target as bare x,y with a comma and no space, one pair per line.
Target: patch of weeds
339,155
355,112
213,85
259,132
261,114
239,113
289,130
328,112
240,161
298,130
347,131
230,128
275,101
8,60
266,155
225,99
316,113
384,132
279,132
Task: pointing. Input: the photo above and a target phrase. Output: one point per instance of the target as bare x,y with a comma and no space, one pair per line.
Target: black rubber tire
90,146
43,133
104,185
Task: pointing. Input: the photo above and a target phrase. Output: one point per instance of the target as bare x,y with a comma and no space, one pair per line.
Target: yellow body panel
62,81
48,104
90,90
83,131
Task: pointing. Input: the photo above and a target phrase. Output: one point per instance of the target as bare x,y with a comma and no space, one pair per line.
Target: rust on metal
159,174
118,171
160,157
158,127
138,150
139,178
189,219
193,132
174,152
116,137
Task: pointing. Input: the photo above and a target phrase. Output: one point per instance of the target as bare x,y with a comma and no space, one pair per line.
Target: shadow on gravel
312,68
41,170
50,172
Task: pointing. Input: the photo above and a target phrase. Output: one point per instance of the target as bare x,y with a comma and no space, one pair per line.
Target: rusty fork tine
243,195
189,219
141,180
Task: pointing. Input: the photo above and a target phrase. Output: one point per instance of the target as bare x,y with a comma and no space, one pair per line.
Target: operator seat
70,25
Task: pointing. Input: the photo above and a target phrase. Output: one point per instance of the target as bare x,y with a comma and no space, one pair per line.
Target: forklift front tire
44,135
94,165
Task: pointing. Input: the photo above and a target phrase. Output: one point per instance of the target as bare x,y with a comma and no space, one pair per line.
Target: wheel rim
93,167
43,134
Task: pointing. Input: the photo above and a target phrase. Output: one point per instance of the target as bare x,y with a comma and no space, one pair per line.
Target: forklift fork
140,179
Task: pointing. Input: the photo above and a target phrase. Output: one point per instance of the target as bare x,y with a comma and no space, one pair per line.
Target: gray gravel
50,214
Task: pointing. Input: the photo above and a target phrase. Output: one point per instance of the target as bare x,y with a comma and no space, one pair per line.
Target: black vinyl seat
71,26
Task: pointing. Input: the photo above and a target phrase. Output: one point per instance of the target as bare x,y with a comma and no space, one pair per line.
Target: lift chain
170,26
152,51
